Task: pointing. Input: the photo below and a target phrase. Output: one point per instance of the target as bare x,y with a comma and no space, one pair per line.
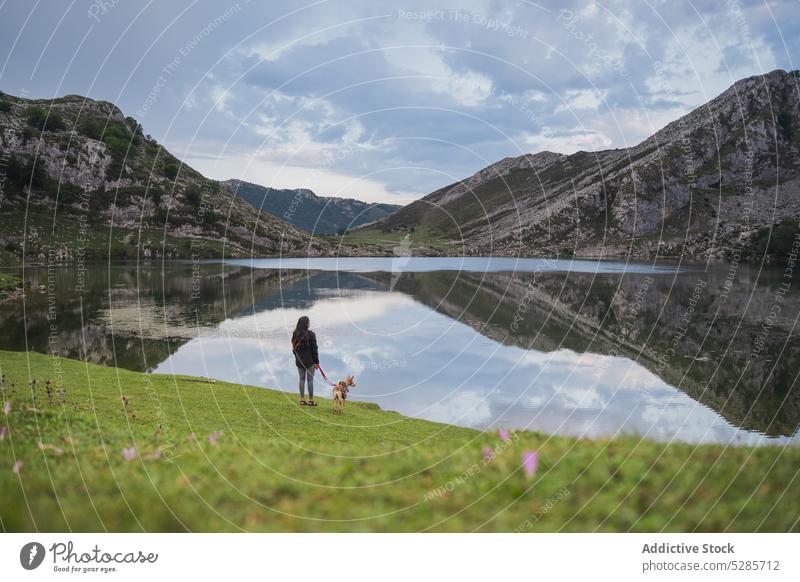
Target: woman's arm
314,351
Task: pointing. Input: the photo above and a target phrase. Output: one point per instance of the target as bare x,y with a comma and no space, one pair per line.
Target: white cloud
469,89
694,68
220,96
582,140
469,409
590,99
333,312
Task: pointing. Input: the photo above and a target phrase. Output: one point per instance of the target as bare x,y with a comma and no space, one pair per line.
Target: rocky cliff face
82,181
705,185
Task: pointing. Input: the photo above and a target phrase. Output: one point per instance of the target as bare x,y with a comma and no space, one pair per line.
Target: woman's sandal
311,403
303,403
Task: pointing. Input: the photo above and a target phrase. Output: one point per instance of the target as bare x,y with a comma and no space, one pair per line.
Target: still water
584,348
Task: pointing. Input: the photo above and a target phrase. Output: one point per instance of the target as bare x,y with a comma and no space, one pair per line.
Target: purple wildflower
504,436
530,462
3,432
17,466
129,453
214,437
488,453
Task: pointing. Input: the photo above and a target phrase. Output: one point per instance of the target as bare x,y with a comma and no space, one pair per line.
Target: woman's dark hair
300,334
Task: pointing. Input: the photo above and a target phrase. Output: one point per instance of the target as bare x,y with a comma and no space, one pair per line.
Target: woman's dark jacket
306,355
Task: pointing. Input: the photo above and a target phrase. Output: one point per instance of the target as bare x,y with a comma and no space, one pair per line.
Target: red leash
318,367
321,371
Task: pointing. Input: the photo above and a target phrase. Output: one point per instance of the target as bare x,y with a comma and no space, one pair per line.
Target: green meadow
91,448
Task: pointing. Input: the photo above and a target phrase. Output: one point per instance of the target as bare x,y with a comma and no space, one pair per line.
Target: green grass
281,467
9,284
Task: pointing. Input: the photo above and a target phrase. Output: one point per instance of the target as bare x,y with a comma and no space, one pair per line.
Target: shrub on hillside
160,219
114,169
68,193
24,173
193,195
171,169
776,240
155,196
43,120
92,128
114,134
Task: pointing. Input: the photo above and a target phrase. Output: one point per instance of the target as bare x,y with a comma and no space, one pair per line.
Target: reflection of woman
306,358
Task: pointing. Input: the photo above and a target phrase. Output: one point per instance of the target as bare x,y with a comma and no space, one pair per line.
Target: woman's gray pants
306,374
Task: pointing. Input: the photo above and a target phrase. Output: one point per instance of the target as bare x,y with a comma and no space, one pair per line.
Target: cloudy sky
388,101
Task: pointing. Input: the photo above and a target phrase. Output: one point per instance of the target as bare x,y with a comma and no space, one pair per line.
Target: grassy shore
419,242
101,448
9,286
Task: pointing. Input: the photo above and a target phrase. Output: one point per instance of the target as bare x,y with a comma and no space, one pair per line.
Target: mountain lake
698,353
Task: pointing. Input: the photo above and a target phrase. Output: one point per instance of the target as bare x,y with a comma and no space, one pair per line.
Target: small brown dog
340,394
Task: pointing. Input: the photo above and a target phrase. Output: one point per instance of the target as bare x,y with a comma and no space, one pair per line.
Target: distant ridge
305,210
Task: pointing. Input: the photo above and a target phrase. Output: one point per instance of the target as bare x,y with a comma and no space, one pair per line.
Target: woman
306,358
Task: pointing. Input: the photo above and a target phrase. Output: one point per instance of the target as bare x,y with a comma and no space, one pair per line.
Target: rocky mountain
80,181
713,183
306,210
